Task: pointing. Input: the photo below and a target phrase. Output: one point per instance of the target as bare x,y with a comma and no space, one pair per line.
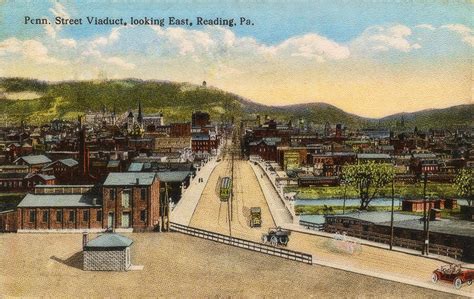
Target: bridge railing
311,225
242,243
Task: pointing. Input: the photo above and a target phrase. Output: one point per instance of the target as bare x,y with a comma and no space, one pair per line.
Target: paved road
183,211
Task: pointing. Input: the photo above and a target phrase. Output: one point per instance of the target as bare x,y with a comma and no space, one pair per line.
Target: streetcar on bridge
225,188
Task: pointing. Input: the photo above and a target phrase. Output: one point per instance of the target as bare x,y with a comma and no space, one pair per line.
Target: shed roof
135,166
376,217
129,178
173,176
109,240
34,159
57,200
373,156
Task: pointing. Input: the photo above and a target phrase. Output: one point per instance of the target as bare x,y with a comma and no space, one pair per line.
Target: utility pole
391,216
344,197
425,178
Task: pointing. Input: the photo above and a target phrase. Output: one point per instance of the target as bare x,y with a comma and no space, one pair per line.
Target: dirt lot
176,265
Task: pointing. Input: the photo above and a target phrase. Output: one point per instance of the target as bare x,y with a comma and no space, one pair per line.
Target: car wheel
434,278
457,283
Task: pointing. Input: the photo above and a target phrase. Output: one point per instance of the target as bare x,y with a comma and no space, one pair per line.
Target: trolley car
226,188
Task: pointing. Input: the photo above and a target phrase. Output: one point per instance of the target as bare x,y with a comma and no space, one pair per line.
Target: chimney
138,181
94,201
85,239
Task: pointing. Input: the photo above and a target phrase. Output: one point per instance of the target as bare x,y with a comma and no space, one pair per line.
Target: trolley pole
424,250
391,217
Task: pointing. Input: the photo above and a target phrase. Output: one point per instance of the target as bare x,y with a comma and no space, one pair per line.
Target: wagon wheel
284,241
469,282
457,283
434,278
274,240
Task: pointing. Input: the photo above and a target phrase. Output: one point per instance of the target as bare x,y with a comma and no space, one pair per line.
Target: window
126,198
113,194
85,216
99,215
45,216
59,216
71,216
143,215
32,215
143,193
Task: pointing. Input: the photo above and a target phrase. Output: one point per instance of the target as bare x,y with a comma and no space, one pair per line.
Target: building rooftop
444,226
129,178
373,156
377,217
173,176
109,240
57,200
135,166
34,159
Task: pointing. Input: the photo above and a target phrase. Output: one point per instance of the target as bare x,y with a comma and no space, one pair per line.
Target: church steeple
140,115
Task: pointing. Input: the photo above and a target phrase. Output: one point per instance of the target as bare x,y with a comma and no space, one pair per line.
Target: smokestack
85,239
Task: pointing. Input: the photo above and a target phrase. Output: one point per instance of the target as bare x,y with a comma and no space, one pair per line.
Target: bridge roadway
253,189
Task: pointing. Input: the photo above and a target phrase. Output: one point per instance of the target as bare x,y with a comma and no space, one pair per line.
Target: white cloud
465,32
385,38
119,62
68,42
312,46
425,26
32,50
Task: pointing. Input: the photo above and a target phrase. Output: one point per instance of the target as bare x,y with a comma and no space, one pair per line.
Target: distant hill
177,101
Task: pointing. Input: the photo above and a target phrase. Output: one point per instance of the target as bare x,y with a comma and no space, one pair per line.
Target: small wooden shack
107,252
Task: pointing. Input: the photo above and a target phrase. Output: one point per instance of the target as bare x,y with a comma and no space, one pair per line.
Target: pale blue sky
275,20
372,57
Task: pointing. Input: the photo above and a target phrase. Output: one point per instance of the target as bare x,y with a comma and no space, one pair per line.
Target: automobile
255,217
276,236
454,274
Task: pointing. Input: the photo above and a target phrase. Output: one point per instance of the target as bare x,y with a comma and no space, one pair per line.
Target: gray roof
45,177
373,156
135,166
444,226
173,176
113,163
200,136
68,162
424,156
109,240
56,200
377,217
129,178
35,159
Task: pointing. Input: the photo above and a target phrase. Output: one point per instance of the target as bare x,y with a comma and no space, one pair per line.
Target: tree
368,178
463,182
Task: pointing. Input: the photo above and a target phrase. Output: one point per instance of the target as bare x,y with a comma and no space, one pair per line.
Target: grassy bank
412,190
322,210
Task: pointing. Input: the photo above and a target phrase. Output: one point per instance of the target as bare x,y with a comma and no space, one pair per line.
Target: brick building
59,211
131,200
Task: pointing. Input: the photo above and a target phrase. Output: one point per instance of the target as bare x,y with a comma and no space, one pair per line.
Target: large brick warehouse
125,200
